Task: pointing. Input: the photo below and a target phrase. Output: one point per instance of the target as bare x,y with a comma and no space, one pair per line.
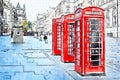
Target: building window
111,0
107,1
114,17
90,2
18,11
108,15
70,0
108,18
99,3
115,22
102,2
68,10
21,12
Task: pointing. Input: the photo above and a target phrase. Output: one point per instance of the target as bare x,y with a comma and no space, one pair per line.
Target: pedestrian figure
11,34
45,39
37,34
40,38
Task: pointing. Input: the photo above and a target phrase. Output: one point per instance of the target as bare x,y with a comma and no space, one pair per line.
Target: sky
33,7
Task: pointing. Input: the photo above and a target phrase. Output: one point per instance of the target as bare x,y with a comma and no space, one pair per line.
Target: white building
21,13
110,7
9,16
69,6
48,21
40,22
14,18
63,8
7,24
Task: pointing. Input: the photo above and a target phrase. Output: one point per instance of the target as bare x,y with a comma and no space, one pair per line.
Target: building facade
63,8
48,21
112,18
7,24
1,7
21,13
9,17
40,23
14,17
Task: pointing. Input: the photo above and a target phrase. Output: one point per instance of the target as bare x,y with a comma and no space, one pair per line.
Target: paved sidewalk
33,60
28,61
112,63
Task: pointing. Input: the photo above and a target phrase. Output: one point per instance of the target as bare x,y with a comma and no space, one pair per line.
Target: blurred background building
112,18
10,16
69,6
21,13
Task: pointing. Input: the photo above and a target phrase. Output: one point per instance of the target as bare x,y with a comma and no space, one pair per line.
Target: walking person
11,34
45,38
40,38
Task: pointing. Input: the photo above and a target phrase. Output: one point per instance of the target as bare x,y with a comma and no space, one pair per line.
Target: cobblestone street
33,60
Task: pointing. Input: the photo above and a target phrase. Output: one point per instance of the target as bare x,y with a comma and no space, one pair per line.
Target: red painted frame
56,36
85,59
67,38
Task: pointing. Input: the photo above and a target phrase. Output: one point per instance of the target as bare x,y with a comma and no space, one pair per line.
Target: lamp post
117,20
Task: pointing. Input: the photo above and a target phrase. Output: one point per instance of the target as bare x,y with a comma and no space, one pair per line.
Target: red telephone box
56,36
67,38
89,41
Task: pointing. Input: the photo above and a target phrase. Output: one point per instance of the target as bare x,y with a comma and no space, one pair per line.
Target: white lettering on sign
70,18
97,13
58,20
